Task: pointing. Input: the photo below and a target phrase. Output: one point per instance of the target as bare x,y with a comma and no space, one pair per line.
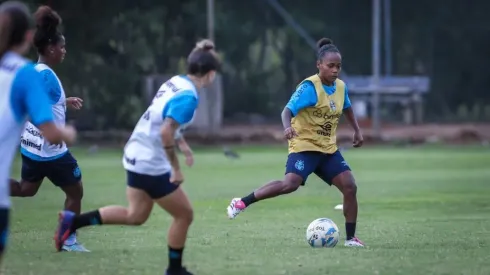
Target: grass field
422,211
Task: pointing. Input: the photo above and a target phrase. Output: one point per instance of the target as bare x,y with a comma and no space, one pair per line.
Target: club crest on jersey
332,105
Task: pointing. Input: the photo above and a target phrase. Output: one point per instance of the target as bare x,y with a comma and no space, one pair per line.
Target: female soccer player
22,94
310,121
40,158
153,170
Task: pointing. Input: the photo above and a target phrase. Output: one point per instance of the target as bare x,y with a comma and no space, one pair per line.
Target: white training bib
33,144
144,152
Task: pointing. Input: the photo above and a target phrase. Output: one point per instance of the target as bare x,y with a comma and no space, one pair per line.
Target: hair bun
205,44
46,18
324,41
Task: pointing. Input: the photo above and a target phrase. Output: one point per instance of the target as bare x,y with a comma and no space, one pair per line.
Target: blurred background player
22,94
150,159
310,121
40,158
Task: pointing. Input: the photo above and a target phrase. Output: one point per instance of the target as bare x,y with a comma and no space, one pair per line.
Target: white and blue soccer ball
322,232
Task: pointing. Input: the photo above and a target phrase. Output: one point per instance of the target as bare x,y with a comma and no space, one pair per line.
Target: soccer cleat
62,233
76,247
182,271
236,207
354,242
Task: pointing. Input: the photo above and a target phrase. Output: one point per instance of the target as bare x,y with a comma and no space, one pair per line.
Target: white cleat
354,242
236,207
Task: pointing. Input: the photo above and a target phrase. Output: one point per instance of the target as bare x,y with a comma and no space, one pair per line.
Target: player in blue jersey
22,95
40,159
152,167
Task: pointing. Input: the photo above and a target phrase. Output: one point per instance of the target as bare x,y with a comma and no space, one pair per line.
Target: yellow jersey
316,126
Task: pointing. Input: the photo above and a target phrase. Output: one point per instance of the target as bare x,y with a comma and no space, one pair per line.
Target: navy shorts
155,186
61,172
4,228
325,166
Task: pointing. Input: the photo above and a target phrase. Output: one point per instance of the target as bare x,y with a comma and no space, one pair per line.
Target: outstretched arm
351,118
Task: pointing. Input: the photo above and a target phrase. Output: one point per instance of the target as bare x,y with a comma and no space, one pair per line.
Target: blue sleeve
181,107
347,103
52,85
304,96
29,97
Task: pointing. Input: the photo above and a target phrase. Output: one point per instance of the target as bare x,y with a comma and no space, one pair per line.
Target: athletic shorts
63,171
325,166
155,186
4,228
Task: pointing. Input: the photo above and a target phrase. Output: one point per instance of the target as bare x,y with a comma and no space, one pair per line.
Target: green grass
422,211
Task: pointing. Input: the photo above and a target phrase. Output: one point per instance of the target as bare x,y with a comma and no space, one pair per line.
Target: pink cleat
354,242
236,207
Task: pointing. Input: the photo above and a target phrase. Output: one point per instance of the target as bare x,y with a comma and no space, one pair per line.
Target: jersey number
169,85
146,115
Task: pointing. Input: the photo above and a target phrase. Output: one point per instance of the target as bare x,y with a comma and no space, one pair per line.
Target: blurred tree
113,44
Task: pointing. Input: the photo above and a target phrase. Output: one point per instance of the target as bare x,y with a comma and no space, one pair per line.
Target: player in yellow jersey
310,122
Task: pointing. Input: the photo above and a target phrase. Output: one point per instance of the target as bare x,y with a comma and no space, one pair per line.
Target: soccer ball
322,232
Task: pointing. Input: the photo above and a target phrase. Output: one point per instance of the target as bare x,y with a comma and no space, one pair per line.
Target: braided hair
47,33
325,45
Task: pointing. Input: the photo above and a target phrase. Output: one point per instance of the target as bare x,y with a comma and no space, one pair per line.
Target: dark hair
15,21
325,45
203,59
47,33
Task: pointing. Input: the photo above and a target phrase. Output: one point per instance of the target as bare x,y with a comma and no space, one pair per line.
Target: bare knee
349,188
74,192
29,193
186,216
136,220
28,189
291,183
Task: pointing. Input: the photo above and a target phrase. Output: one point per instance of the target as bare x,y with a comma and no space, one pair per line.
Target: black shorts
4,228
155,186
325,166
61,172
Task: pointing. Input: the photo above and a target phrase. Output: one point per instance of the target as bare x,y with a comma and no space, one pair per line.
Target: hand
74,102
69,134
290,133
189,158
358,139
176,177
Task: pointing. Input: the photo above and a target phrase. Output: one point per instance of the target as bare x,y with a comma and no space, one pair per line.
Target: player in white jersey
40,159
22,95
153,170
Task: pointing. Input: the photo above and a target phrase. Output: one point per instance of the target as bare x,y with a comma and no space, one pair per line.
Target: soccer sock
175,258
248,200
86,219
350,230
72,239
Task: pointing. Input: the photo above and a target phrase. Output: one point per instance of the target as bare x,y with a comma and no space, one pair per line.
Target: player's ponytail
15,21
5,30
203,59
325,45
47,33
